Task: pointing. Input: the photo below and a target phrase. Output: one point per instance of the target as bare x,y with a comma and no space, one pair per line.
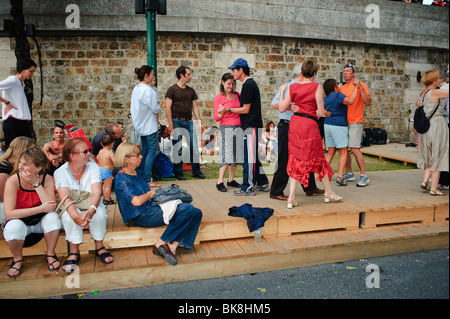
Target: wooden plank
138,257
152,259
219,250
204,253
234,249
122,259
250,247
188,256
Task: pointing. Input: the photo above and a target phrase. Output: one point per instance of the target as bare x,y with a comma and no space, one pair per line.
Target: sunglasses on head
349,65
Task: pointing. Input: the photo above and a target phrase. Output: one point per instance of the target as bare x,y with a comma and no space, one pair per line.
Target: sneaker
240,192
180,176
233,183
199,175
263,188
349,177
221,187
442,187
362,181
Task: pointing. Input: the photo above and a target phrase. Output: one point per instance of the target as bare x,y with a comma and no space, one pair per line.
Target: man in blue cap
254,177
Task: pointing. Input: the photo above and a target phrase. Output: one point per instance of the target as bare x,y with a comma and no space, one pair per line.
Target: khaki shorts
355,131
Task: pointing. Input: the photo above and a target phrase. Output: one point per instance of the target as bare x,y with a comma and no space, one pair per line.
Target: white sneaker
362,181
442,187
349,177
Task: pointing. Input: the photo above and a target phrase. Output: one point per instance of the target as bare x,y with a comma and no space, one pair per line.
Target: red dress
306,153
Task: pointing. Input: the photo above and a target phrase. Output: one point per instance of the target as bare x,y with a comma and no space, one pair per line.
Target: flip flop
341,181
51,264
18,269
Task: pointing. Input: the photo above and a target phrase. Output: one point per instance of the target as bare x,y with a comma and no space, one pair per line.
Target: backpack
367,137
421,122
379,136
163,167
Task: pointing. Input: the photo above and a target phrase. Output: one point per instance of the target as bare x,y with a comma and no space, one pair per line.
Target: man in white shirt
16,113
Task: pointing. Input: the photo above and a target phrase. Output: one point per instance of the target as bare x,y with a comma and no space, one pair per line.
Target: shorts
355,132
336,136
105,173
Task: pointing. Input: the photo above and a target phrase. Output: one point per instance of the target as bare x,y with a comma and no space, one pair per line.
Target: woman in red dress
305,144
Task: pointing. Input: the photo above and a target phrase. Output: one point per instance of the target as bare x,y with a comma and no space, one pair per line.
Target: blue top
333,103
126,187
288,113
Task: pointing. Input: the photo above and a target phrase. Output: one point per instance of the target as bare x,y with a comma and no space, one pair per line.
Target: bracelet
92,206
7,102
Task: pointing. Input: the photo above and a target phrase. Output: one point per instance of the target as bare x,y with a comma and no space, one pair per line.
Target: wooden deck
394,151
391,215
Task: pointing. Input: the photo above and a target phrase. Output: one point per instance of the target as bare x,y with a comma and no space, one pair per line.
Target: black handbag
421,122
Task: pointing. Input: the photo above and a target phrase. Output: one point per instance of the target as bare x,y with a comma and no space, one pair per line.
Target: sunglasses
84,152
349,65
134,155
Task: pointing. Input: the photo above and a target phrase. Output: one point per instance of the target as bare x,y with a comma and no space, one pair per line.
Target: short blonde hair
430,76
124,150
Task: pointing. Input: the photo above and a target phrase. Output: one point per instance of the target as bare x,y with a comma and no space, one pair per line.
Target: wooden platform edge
291,252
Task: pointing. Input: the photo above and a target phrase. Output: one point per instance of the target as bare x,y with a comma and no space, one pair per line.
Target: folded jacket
255,216
171,192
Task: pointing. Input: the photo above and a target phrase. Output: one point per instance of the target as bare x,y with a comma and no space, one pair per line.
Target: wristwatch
229,110
37,185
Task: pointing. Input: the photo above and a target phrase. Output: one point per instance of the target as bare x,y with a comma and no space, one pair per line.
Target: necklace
133,172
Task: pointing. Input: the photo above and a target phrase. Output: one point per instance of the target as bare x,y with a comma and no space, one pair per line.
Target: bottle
258,235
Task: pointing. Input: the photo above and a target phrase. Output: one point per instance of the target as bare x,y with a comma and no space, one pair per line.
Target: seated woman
79,173
29,206
134,200
8,161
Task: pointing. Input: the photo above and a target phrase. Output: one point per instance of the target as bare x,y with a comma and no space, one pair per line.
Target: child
105,160
336,127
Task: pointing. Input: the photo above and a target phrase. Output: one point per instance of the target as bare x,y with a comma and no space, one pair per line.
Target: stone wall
88,80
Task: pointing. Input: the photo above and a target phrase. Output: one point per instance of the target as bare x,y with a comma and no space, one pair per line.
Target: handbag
81,198
421,122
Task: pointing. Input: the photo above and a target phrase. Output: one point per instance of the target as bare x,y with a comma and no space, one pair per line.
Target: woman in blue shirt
134,199
336,127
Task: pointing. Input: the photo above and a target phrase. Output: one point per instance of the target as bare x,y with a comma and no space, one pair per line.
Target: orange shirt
355,112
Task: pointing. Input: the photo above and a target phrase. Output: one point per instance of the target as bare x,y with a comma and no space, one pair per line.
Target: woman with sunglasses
79,173
30,210
134,200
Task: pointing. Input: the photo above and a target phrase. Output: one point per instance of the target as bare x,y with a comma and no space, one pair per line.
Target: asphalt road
422,275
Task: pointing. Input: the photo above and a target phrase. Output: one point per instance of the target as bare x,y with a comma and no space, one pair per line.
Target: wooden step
392,197
221,258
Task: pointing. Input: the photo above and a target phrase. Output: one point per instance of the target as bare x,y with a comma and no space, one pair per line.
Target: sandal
51,264
424,185
103,256
17,269
291,205
436,192
333,198
71,263
341,181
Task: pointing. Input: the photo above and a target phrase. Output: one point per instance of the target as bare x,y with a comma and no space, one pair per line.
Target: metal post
151,42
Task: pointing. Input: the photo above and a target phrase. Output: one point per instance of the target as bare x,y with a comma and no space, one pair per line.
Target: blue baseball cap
239,63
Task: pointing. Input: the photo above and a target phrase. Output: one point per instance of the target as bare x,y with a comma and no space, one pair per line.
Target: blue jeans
182,228
148,152
184,128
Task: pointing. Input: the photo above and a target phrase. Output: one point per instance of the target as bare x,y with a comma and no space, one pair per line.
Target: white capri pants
97,226
16,229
